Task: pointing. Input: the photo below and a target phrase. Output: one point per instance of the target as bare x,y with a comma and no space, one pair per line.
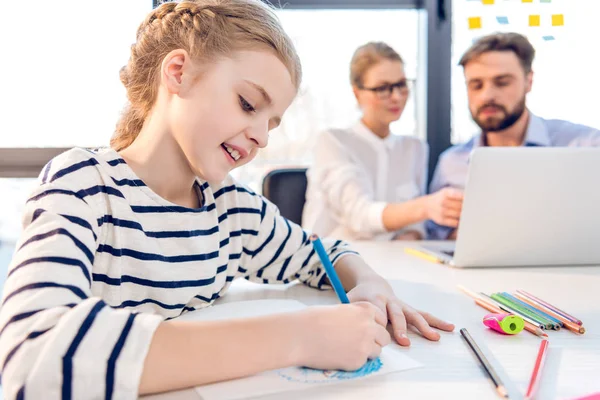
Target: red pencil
534,382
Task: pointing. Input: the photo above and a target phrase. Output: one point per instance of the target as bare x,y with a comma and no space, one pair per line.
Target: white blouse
355,175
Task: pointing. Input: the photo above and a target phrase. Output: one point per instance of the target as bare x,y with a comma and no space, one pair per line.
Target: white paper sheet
288,379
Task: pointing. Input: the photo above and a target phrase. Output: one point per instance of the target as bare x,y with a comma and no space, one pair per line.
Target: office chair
286,188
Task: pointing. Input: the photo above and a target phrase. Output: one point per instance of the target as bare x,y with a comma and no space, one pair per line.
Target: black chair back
286,188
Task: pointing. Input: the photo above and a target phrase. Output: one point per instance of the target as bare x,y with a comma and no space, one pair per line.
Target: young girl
366,183
119,242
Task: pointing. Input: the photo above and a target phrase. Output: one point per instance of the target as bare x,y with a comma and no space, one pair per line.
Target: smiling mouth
234,154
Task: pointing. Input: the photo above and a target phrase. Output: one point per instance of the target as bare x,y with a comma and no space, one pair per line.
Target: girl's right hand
341,337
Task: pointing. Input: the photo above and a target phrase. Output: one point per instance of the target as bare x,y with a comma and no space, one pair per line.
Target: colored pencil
528,306
508,310
492,307
329,270
500,388
537,369
550,306
520,310
515,311
566,323
423,255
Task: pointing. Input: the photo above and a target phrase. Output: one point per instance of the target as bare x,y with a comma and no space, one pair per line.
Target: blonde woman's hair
207,30
367,56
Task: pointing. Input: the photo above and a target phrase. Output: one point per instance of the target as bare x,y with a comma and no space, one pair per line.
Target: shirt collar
371,137
536,134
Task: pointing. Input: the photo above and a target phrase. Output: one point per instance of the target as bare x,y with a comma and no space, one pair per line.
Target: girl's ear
175,68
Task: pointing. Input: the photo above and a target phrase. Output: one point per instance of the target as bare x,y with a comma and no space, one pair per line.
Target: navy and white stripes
103,260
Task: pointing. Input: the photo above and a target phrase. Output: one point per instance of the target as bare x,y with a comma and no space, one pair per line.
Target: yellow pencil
423,255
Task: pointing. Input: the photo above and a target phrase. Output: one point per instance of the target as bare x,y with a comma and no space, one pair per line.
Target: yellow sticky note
558,20
475,23
489,2
527,1
534,20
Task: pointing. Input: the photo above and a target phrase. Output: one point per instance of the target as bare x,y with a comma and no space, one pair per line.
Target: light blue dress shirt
453,164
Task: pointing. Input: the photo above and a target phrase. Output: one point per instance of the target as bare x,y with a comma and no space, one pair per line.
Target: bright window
62,87
60,70
564,82
326,99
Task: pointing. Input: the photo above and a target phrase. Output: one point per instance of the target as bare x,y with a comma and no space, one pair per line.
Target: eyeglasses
385,91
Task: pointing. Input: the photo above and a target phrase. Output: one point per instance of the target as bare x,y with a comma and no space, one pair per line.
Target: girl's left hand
379,292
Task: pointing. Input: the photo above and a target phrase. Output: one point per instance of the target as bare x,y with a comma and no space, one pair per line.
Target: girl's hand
378,292
341,337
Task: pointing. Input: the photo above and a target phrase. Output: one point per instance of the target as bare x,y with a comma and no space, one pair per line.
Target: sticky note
548,37
475,23
488,2
534,20
527,1
558,20
502,20
545,1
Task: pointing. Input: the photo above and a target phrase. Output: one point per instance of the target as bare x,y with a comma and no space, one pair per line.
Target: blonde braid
206,29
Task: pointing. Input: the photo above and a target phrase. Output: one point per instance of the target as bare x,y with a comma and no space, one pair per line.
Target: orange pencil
537,369
550,306
568,324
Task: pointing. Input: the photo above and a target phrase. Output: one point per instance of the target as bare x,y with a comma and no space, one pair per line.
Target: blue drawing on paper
309,375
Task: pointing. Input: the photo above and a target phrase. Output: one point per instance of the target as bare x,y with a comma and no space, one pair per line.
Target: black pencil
500,388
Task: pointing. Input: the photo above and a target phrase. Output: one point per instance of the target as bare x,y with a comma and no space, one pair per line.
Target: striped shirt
103,260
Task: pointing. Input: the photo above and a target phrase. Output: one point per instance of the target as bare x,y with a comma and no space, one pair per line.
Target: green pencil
546,324
553,323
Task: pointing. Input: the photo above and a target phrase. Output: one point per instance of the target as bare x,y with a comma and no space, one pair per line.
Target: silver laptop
528,206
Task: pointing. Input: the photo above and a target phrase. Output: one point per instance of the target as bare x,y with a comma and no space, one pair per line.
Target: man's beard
499,124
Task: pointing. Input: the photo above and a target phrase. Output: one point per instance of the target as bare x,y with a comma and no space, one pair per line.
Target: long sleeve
346,188
438,182
423,170
421,177
57,340
282,251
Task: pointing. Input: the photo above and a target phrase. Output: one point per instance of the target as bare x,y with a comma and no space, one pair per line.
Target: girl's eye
247,107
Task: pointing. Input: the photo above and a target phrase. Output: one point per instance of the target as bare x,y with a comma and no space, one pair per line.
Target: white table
450,371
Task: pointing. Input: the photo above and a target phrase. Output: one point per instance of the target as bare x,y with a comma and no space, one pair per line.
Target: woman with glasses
366,183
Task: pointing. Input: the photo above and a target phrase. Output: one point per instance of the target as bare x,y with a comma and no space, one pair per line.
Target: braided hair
207,30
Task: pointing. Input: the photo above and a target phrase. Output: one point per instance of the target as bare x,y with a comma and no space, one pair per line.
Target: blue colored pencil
329,270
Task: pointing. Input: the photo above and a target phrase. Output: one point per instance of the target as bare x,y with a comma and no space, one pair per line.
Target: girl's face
220,116
384,92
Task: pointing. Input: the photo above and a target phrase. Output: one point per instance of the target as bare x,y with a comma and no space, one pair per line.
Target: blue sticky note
502,20
548,37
